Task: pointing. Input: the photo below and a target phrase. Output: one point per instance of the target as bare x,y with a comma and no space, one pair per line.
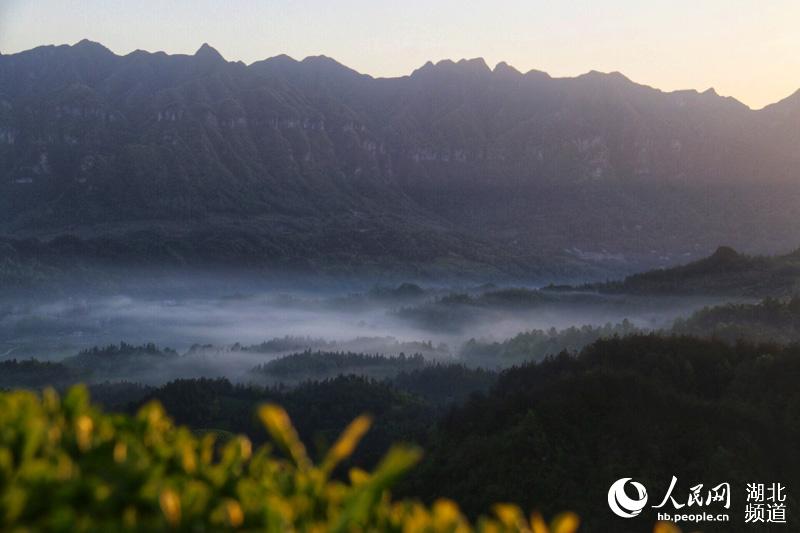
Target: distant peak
710,92
280,61
794,96
145,54
614,75
91,46
427,67
328,64
537,74
88,43
790,103
506,69
470,66
208,52
477,64
282,58
725,253
322,60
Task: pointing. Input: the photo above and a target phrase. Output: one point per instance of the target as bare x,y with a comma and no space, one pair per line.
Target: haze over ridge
288,159
477,61
746,49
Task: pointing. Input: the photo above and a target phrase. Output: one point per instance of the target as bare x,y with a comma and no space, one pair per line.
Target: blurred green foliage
67,466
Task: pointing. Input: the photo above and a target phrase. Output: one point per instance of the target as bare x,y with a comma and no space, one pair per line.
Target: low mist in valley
227,326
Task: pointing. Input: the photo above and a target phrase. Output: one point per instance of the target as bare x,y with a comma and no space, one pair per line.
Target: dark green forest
771,320
650,406
550,434
725,272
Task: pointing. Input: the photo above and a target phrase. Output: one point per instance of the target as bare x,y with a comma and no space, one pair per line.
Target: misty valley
170,329
286,296
460,369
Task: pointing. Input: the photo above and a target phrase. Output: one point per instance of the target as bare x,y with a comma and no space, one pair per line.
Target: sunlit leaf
171,506
347,442
538,524
280,428
565,523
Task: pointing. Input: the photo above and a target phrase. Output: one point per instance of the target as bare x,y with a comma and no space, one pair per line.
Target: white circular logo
621,504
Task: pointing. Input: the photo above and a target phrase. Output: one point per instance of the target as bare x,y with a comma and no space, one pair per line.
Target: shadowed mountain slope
457,165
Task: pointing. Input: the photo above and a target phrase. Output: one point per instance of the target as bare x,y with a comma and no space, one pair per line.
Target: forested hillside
725,272
644,406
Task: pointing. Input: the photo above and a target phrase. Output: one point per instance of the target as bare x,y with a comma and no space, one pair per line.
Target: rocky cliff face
313,161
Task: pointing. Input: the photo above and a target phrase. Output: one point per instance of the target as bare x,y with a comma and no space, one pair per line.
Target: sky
742,48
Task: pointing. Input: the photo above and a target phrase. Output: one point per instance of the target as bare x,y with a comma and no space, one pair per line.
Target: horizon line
205,45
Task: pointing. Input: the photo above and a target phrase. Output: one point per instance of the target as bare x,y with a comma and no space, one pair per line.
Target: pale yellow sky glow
746,49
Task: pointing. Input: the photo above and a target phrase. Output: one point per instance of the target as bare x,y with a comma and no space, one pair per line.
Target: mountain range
457,167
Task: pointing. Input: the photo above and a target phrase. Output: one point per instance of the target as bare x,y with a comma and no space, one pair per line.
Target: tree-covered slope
725,272
647,407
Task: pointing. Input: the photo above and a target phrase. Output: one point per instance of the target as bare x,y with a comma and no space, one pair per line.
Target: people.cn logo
622,504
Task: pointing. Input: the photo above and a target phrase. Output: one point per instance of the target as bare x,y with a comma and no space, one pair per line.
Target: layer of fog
209,325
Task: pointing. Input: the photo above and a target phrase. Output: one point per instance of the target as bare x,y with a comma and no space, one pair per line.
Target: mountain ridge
505,66
518,169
